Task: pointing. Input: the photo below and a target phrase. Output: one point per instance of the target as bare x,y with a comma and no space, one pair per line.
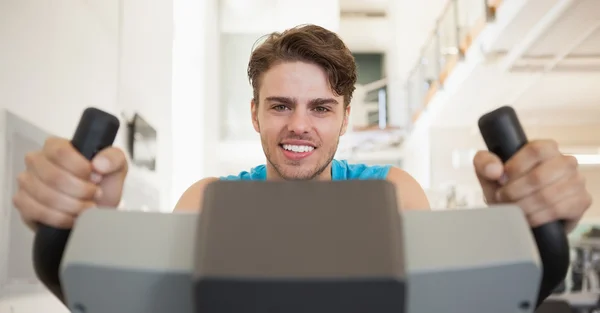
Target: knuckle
85,190
22,179
59,180
58,220
507,194
580,180
570,161
536,149
117,156
478,156
587,200
536,177
17,200
50,144
51,198
554,213
551,144
53,177
27,220
57,149
481,158
61,152
30,158
83,206
82,189
545,195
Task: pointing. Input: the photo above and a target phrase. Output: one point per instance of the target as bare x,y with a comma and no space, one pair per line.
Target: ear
254,113
345,123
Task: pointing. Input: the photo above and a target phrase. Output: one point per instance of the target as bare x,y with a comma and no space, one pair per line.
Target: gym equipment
302,247
504,136
96,130
579,302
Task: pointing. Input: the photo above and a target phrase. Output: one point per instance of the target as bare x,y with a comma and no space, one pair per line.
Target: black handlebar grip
504,136
96,131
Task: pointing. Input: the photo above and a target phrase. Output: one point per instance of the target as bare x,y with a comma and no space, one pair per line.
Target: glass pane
449,36
416,92
470,14
430,64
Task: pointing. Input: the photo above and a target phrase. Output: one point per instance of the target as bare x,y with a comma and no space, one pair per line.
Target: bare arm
409,192
191,200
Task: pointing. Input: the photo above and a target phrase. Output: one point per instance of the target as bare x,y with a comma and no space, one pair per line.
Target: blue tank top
340,170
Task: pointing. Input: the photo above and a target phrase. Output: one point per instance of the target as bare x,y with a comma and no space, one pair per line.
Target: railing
455,31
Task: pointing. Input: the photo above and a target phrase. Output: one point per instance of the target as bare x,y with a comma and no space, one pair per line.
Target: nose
299,122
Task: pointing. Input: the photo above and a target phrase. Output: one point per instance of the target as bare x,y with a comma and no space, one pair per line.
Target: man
303,80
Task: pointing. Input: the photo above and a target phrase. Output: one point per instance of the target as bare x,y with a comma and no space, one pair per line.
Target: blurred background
174,71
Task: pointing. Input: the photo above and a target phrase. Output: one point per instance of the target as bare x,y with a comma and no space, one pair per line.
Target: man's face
300,120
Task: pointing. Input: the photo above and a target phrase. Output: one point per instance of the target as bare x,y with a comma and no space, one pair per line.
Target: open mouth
297,151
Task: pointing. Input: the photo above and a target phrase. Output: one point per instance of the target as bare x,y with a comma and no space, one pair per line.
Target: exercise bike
302,247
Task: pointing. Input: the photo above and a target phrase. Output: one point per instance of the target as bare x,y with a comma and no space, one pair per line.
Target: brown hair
307,43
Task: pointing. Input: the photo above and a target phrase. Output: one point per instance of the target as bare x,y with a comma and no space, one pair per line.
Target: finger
110,160
552,194
489,170
61,180
488,166
50,197
532,154
20,203
570,208
112,189
541,176
573,207
34,212
62,153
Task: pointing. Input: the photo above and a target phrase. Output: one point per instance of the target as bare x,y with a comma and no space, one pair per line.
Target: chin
296,173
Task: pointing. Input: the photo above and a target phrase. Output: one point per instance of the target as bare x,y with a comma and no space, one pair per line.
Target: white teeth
295,148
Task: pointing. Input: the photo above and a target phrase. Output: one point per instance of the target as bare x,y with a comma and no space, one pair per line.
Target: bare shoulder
411,195
191,199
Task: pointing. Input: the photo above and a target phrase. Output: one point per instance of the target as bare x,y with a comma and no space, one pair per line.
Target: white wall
144,83
416,153
59,57
49,81
71,64
366,34
195,103
265,16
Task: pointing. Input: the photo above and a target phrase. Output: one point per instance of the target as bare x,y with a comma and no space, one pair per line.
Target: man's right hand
59,183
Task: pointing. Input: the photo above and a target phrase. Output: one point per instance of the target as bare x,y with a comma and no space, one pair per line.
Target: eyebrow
289,100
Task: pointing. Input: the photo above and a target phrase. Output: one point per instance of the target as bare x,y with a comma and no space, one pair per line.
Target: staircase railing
455,31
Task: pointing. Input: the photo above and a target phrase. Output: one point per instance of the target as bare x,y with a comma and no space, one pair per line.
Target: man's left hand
545,183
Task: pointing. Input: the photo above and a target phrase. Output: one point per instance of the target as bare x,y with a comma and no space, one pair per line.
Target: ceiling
364,6
551,99
550,74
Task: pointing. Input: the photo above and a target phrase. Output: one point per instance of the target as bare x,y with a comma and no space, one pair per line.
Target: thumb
111,165
490,173
109,160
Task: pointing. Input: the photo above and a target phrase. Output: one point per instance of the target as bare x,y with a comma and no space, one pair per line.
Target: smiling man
303,80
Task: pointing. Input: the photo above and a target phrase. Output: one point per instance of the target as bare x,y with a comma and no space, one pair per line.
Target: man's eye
280,107
321,109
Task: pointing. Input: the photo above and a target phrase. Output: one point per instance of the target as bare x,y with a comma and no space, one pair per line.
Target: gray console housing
476,260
